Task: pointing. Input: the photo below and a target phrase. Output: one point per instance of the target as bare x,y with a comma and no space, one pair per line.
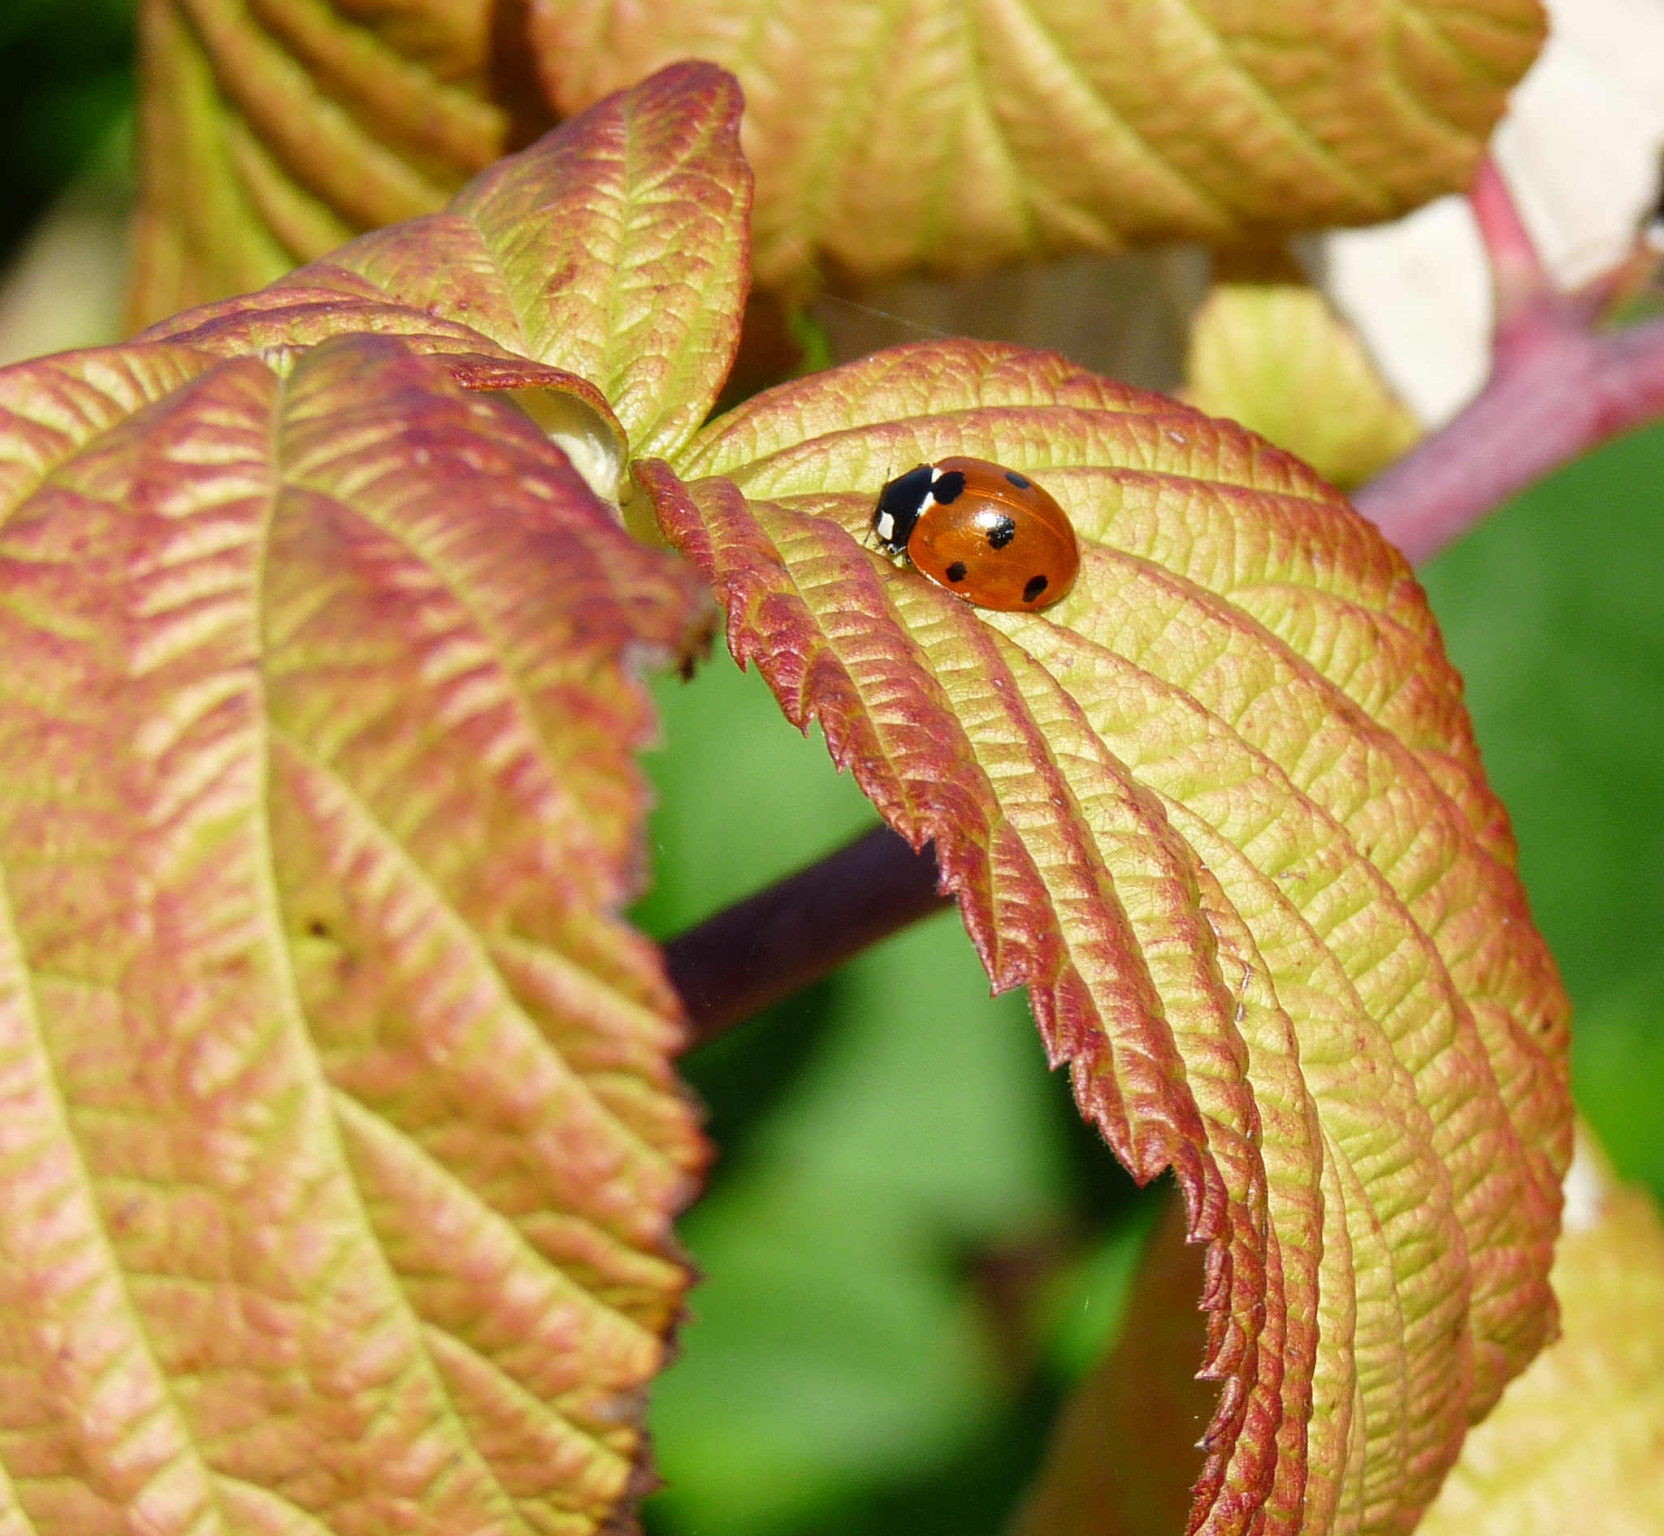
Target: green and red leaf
609,259
321,1018
341,1138
935,134
958,136
1221,810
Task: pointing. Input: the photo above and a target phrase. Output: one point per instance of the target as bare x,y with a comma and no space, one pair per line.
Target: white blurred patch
1580,148
1585,1187
1419,293
1581,144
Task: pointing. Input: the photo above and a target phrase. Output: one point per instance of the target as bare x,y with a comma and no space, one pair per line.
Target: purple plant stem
1518,277
800,929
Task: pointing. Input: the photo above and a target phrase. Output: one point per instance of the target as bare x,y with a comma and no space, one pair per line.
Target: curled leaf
958,135
1221,810
341,1138
1576,1442
1277,358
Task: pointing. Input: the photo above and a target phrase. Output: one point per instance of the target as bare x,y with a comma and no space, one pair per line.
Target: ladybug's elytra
988,534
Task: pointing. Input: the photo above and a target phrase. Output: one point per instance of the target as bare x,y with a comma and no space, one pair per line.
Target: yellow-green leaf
1221,810
341,1141
1577,1444
1277,358
273,130
962,133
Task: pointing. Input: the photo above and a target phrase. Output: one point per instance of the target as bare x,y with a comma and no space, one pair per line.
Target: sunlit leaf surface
1277,358
1578,1442
613,250
961,133
272,130
1221,810
341,1144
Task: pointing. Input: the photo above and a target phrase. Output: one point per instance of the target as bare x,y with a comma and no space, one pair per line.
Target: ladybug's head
903,499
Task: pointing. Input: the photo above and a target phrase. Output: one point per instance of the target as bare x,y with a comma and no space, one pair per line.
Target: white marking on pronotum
929,500
886,526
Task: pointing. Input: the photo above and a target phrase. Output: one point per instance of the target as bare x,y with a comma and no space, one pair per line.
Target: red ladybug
986,533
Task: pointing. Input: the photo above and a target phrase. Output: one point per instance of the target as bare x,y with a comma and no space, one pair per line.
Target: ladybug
986,533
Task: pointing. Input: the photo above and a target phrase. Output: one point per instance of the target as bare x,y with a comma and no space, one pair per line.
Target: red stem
1558,387
804,927
1555,392
1518,277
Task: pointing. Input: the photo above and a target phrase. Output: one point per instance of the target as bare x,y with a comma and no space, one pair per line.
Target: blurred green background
66,86
911,1244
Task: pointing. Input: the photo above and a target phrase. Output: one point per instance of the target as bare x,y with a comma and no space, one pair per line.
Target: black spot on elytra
948,487
1036,585
1002,533
957,571
1020,481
